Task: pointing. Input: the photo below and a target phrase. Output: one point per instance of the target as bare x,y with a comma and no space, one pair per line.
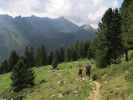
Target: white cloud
115,4
78,11
56,8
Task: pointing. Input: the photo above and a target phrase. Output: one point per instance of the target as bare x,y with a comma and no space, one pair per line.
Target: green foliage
4,67
50,84
29,56
50,57
41,56
109,46
61,54
127,23
117,81
13,59
55,61
129,75
22,76
78,50
68,54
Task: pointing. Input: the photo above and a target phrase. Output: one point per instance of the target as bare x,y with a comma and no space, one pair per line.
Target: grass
116,81
4,82
115,84
62,84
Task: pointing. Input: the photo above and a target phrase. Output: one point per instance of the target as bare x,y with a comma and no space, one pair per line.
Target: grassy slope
116,81
51,88
4,82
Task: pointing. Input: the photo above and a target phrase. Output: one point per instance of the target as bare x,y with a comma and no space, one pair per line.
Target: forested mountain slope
18,32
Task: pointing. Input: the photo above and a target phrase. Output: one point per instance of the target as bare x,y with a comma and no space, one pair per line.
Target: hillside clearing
112,83
62,84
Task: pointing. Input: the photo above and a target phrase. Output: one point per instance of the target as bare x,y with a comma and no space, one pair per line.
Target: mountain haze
16,33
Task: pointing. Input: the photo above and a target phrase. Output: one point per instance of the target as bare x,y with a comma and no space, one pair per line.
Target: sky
78,11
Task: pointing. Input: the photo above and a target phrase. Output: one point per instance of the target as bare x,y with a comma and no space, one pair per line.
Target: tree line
41,56
22,74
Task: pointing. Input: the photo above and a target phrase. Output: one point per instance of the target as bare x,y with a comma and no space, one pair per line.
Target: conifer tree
127,25
109,48
74,54
4,67
55,61
78,50
68,54
13,59
61,54
41,56
29,56
22,76
50,57
116,37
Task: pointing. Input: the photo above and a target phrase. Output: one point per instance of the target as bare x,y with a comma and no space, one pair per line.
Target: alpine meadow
66,50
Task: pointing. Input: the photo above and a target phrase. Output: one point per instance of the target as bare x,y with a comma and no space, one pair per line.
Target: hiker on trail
80,71
88,70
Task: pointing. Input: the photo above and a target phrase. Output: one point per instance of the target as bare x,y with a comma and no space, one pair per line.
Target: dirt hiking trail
95,94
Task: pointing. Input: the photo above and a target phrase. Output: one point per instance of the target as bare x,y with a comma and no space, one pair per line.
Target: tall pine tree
127,25
41,56
13,59
29,56
50,57
109,48
22,76
55,61
4,67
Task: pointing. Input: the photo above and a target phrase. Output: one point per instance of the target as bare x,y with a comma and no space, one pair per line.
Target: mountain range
18,32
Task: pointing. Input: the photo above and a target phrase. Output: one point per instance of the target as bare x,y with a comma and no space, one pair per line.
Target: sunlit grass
62,84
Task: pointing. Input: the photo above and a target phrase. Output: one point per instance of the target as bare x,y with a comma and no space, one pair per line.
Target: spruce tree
127,25
55,61
68,54
84,46
13,59
74,54
61,54
41,56
4,67
22,76
78,49
101,51
29,56
116,37
50,57
109,48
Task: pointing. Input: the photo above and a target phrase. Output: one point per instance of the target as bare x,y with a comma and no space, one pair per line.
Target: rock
53,95
61,82
60,95
106,82
75,92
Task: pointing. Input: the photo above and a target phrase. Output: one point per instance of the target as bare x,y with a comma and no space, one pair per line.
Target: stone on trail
60,95
61,82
